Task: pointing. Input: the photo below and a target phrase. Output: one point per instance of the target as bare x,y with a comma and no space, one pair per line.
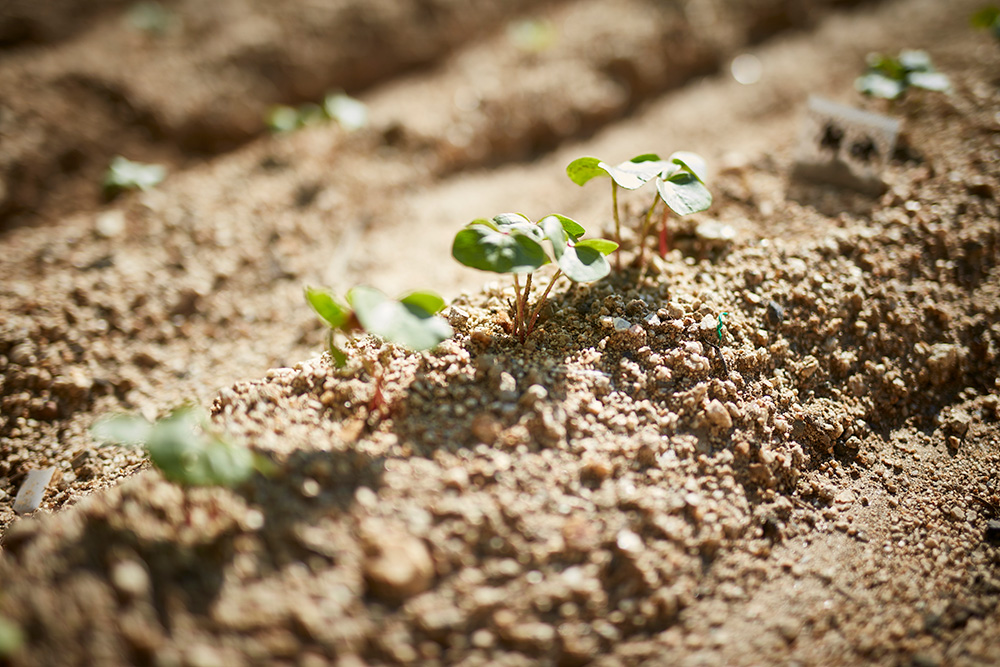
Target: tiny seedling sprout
988,18
349,113
679,183
511,243
185,447
888,77
411,322
124,174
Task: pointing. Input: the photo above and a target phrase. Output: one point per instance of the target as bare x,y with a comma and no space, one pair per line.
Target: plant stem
645,232
541,301
525,329
517,307
664,234
618,231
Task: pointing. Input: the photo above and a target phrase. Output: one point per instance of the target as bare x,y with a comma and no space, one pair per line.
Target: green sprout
511,243
718,327
987,18
184,446
151,17
889,77
11,638
124,174
679,183
348,112
411,322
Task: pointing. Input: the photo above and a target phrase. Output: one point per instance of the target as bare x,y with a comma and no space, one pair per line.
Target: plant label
29,496
844,146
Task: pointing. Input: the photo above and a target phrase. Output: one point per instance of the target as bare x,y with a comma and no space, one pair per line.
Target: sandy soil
820,486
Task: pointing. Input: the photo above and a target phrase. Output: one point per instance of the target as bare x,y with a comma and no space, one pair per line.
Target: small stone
398,565
485,428
30,495
508,387
130,578
621,324
629,542
110,224
992,532
717,415
775,313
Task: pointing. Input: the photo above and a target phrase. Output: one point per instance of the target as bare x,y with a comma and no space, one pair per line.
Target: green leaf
426,301
583,169
481,245
556,233
630,174
282,118
691,162
350,113
122,430
584,262
338,356
11,638
684,193
406,324
929,81
879,85
603,246
574,229
124,174
986,17
915,61
327,307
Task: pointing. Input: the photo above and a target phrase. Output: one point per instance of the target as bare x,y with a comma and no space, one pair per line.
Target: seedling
411,322
11,638
123,174
889,77
348,112
185,447
151,17
679,183
988,18
511,243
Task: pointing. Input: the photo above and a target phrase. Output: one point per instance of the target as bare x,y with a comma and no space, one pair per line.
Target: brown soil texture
815,483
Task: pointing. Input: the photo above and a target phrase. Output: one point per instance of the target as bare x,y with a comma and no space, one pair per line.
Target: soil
815,481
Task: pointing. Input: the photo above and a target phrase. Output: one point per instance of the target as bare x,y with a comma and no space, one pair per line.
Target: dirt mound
780,443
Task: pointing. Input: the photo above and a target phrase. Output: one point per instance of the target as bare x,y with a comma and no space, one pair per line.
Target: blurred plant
888,77
411,322
11,637
511,243
532,35
349,113
988,18
123,174
185,447
151,17
679,183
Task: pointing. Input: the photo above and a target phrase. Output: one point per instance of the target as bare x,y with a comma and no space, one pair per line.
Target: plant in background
185,447
988,18
679,183
411,322
511,243
889,77
349,113
11,638
124,174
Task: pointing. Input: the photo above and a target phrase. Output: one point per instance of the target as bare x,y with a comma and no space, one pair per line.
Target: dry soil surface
814,482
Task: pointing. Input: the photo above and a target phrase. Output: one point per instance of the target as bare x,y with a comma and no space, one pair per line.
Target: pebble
30,495
717,415
398,565
774,313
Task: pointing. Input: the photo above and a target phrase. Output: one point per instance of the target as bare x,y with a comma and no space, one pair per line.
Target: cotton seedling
411,322
987,18
512,243
124,174
889,77
679,183
184,446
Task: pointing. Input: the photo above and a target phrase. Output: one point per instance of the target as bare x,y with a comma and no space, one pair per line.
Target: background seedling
679,183
11,638
185,447
988,18
348,112
889,77
410,322
124,174
511,243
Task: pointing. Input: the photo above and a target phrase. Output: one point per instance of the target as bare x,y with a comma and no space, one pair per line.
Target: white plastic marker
29,496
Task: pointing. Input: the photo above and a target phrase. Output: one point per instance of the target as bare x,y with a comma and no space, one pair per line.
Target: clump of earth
779,442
